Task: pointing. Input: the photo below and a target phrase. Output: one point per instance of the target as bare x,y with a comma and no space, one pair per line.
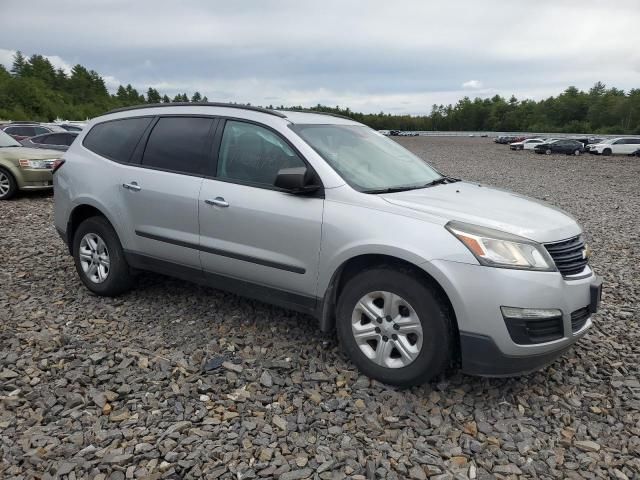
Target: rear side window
116,139
179,144
41,139
58,139
68,139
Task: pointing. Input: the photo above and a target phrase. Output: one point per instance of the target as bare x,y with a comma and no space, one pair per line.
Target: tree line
35,90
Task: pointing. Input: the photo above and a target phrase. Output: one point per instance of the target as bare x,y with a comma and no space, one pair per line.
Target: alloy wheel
387,329
5,184
94,258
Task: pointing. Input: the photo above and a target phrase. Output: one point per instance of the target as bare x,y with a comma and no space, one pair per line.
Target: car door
251,231
631,145
160,190
618,146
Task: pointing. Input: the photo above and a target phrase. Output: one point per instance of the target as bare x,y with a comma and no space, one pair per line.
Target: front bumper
34,179
478,292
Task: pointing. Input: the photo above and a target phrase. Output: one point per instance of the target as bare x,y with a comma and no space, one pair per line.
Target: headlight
494,248
36,164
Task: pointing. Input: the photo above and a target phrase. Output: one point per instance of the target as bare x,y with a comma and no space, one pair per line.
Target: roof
294,116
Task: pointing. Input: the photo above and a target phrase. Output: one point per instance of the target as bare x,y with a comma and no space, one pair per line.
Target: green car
24,168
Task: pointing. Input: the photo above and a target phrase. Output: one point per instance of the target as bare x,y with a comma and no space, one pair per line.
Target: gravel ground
116,388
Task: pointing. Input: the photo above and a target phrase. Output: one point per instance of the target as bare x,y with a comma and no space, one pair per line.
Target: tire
577,152
415,302
104,281
8,185
606,152
547,151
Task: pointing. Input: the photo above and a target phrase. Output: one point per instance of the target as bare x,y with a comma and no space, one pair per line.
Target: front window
7,140
366,159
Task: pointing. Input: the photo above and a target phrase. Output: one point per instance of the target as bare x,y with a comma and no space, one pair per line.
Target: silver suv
414,269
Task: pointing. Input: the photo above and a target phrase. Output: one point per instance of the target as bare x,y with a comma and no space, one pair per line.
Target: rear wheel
393,326
606,152
99,258
8,185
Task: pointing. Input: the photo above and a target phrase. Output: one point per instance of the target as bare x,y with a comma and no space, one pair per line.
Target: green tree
18,64
153,96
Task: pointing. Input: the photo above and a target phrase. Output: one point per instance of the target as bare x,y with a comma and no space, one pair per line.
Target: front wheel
606,152
8,185
99,258
548,151
394,326
577,152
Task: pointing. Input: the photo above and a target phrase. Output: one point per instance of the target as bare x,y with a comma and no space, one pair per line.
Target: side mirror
297,180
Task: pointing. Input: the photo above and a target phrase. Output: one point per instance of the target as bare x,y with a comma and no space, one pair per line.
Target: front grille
568,255
528,332
579,318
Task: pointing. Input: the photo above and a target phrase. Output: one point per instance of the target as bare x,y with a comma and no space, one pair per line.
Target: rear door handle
133,186
218,202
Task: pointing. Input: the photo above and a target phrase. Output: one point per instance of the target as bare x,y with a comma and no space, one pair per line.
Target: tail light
57,163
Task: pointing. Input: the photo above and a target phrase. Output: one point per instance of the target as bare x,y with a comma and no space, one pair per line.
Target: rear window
21,131
179,144
116,139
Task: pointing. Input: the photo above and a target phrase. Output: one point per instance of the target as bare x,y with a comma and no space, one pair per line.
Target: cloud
472,84
6,59
366,54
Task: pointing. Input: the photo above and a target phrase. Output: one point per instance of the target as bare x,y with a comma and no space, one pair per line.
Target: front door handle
218,202
133,186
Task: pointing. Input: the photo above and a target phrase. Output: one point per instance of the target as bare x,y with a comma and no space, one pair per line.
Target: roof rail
200,104
319,113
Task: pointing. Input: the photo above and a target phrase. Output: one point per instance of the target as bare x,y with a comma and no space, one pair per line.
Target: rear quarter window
116,139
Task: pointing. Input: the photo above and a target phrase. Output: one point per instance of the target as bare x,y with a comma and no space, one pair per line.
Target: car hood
490,207
16,153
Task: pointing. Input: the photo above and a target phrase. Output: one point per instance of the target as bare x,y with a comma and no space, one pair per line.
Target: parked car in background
636,153
563,145
54,141
505,139
20,131
527,144
24,168
72,127
303,210
586,141
616,146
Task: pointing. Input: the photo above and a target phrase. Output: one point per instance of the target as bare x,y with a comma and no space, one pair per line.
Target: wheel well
79,215
356,264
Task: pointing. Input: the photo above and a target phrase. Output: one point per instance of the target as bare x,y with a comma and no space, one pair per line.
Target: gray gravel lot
114,388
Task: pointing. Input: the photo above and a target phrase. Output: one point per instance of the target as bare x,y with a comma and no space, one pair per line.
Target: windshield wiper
437,181
390,189
440,181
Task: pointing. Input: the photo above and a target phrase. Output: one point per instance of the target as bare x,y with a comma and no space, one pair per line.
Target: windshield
366,159
7,140
609,141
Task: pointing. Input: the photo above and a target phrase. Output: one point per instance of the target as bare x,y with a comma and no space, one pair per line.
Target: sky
368,55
